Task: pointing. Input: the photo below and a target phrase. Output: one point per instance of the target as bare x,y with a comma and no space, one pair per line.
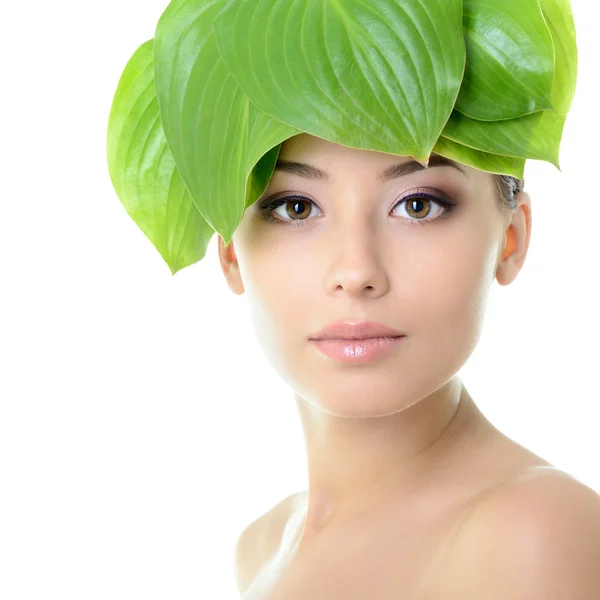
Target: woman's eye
295,210
418,208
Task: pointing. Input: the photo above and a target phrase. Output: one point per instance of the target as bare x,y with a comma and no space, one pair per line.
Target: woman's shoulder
541,520
536,488
537,492
261,538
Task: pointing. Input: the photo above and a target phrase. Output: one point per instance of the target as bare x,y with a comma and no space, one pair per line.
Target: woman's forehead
316,158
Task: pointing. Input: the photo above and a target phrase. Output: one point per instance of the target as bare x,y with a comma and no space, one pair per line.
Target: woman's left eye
417,207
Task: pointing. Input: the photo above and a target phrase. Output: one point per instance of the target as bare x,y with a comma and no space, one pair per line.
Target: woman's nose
355,260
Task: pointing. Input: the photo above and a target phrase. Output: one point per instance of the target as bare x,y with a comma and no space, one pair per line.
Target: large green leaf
510,60
537,136
491,163
380,75
534,136
215,134
261,175
144,173
559,16
192,149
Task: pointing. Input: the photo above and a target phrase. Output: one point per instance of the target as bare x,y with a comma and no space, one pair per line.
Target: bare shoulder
259,540
536,536
534,496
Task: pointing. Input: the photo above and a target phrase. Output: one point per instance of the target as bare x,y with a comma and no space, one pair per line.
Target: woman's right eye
297,209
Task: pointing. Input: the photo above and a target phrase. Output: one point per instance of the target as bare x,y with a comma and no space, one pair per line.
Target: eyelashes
418,198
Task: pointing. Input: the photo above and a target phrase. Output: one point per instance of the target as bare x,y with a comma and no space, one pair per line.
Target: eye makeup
419,197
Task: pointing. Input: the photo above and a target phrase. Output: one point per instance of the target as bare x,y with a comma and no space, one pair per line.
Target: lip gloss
358,351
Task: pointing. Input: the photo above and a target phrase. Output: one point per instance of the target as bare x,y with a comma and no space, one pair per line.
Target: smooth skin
410,486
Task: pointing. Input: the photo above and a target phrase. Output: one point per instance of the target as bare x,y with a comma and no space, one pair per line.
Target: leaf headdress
201,110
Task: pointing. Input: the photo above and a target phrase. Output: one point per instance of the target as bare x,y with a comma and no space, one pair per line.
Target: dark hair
507,188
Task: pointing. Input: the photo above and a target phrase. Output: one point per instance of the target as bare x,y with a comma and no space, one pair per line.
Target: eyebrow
395,171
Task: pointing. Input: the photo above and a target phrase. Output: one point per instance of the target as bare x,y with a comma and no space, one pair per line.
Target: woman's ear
230,267
516,241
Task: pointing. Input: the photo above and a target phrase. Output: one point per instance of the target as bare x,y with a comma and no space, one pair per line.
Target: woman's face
350,249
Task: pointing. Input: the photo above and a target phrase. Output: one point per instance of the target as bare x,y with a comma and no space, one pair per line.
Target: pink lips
356,342
355,330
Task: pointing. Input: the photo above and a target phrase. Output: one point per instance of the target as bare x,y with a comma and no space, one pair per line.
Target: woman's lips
355,330
358,351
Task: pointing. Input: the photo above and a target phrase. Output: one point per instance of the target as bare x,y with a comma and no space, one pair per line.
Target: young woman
412,492
368,259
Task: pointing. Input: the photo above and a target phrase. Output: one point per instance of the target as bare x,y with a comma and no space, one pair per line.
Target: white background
141,429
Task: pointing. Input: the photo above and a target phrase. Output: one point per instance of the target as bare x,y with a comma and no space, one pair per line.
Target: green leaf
216,135
559,17
510,60
537,136
261,175
534,136
379,75
194,134
143,172
491,163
